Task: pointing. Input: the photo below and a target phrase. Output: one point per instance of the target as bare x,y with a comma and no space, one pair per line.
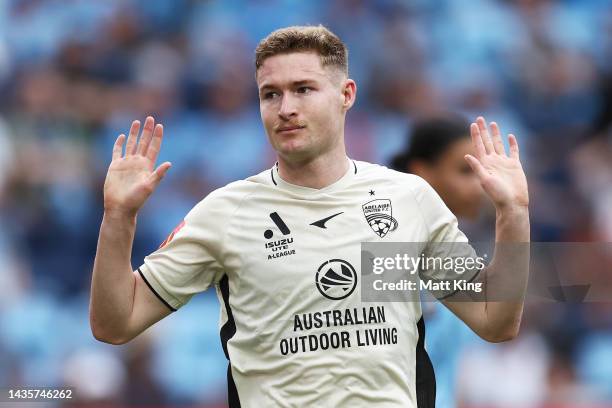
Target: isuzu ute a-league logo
379,215
279,247
336,279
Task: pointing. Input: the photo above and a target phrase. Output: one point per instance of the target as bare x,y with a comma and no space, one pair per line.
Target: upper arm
446,240
470,306
147,308
476,312
476,315
188,261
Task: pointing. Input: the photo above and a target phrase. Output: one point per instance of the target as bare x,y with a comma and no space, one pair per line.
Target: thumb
159,173
476,166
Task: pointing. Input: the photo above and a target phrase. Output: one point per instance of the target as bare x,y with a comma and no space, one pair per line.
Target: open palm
501,175
132,176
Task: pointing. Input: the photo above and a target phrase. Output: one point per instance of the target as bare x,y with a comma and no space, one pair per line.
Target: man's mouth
287,129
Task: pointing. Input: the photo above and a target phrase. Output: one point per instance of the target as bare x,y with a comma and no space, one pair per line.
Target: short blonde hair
331,49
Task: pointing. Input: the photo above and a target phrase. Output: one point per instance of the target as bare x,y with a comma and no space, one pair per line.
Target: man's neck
316,173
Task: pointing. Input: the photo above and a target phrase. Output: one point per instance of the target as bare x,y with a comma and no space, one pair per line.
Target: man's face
303,104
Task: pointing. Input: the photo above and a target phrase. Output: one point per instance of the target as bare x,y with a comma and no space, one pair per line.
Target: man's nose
288,107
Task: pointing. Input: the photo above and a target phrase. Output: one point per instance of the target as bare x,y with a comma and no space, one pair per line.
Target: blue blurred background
75,73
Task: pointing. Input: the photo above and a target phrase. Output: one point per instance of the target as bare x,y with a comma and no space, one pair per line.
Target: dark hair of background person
429,139
436,152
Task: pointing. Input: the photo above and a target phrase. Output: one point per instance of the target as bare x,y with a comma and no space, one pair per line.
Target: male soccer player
282,248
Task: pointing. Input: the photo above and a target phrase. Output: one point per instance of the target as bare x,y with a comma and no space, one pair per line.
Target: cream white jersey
285,261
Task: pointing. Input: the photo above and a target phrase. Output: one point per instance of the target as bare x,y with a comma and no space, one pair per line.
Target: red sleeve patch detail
177,229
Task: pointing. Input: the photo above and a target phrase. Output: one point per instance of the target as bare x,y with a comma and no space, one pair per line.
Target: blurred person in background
534,369
436,151
305,93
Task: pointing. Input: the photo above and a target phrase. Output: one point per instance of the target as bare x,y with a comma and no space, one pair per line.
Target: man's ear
349,91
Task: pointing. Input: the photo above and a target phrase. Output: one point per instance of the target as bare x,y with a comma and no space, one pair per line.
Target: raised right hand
131,178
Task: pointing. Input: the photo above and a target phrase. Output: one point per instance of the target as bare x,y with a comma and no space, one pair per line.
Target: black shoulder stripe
355,165
154,292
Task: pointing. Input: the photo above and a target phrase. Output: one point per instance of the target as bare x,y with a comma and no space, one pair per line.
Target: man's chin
294,153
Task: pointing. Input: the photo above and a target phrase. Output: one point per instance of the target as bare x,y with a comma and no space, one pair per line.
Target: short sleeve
189,260
448,256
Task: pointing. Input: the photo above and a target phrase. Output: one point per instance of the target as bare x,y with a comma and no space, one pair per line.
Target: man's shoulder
228,198
381,174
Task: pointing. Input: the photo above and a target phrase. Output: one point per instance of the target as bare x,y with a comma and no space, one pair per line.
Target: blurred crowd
75,73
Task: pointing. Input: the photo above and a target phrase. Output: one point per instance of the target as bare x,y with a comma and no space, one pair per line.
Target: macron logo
321,223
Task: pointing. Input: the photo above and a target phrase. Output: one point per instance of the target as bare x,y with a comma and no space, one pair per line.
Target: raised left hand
501,175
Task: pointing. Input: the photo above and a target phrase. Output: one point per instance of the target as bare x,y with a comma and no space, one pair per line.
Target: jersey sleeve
448,256
189,261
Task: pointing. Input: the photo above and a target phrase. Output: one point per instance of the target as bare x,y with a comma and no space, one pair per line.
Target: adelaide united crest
379,215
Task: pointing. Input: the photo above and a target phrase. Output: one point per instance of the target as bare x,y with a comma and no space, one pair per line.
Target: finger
159,173
484,134
498,144
130,147
147,134
118,147
155,145
476,166
514,148
477,140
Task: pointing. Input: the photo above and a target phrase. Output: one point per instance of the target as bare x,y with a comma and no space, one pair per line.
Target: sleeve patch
172,234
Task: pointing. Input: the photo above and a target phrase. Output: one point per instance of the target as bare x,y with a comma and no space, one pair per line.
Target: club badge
379,215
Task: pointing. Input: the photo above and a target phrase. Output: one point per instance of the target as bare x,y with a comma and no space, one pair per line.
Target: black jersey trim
272,174
425,375
276,165
455,291
232,392
154,292
227,332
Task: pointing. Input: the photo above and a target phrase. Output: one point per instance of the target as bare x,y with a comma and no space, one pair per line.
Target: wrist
512,210
512,224
120,215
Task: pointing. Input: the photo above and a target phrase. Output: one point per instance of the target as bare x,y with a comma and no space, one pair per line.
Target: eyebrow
293,84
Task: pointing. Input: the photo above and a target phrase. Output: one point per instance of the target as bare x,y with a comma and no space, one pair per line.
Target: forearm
507,275
112,287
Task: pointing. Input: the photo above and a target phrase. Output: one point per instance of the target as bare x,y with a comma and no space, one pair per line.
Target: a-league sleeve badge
172,234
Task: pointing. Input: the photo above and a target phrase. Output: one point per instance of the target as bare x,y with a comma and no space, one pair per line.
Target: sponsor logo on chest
280,247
